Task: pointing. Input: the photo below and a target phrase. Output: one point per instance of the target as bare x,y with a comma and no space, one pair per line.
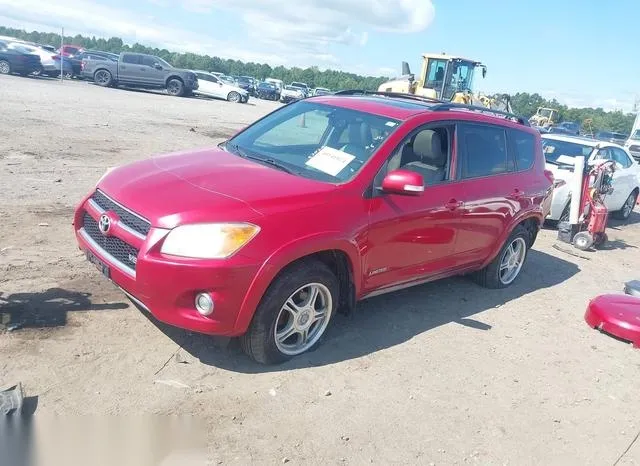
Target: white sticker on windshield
391,123
330,161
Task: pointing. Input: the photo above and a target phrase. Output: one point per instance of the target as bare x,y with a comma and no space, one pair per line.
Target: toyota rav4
319,204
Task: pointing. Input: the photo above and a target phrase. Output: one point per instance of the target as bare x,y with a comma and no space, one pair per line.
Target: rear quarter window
483,150
524,149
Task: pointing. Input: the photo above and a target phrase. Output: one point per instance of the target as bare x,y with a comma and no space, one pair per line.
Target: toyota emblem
104,224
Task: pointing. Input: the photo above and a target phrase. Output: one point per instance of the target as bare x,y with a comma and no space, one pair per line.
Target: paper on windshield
330,161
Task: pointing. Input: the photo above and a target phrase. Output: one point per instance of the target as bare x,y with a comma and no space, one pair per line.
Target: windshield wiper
244,154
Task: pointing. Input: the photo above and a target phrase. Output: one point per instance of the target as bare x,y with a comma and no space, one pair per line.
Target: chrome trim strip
123,207
401,286
115,262
95,205
134,299
122,225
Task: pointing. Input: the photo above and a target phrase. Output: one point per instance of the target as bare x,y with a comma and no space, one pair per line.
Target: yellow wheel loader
544,117
445,77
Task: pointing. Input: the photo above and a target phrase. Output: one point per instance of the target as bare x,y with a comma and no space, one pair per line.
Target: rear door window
483,150
523,146
131,59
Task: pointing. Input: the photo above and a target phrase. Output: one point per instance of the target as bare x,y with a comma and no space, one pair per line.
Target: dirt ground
445,373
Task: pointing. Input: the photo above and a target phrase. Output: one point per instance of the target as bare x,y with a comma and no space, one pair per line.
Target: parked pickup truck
143,71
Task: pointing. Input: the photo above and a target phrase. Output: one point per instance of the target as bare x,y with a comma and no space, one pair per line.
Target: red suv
321,203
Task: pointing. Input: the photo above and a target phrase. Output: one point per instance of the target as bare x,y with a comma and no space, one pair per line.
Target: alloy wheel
303,319
512,260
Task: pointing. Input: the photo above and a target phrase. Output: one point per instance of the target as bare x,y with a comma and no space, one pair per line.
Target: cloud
609,102
309,27
89,18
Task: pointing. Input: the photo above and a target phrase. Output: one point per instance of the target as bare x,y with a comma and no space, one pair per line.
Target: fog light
204,304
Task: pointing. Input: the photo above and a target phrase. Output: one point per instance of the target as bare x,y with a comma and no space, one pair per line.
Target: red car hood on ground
209,185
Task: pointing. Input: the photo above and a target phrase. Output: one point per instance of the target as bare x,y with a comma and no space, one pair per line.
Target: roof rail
475,108
399,95
439,105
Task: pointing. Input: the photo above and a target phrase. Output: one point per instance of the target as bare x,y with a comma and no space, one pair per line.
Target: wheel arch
531,221
173,76
340,255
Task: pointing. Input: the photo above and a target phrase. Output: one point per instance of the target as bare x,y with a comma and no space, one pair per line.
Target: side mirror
157,66
403,182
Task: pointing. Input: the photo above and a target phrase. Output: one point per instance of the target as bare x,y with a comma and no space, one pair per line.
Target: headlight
208,240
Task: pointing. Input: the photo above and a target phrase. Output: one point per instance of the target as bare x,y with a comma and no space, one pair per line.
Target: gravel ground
445,373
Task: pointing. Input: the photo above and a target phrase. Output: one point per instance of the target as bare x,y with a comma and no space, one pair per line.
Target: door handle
453,204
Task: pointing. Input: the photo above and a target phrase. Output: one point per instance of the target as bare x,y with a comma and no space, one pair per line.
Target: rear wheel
627,207
103,78
5,67
506,266
234,97
293,314
175,87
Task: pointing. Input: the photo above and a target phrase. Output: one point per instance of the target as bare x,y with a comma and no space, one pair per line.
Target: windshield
299,85
544,112
242,79
553,149
635,135
313,140
460,78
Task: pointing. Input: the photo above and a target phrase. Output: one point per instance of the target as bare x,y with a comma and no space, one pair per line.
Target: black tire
234,97
625,212
259,341
175,87
5,67
103,78
489,277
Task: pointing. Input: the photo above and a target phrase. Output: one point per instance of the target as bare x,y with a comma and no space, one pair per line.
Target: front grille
635,148
129,219
117,248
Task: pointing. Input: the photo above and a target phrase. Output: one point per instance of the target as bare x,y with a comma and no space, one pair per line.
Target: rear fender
535,215
286,255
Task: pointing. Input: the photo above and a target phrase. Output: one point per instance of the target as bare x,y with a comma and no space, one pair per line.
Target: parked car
633,145
321,91
78,59
69,50
303,87
269,234
229,80
209,85
267,91
141,71
291,93
277,82
245,83
626,177
611,136
16,61
566,127
52,63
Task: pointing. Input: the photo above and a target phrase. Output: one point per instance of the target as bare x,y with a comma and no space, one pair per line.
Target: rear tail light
549,175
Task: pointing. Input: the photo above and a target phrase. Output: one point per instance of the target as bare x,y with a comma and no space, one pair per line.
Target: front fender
285,255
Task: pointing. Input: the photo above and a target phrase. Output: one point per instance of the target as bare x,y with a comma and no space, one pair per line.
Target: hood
179,188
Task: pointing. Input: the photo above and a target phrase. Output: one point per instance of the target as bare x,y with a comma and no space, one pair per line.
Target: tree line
523,103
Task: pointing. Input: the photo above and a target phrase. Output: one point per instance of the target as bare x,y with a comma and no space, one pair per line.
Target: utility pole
62,56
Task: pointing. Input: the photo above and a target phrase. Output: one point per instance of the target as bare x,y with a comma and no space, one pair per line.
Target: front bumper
165,286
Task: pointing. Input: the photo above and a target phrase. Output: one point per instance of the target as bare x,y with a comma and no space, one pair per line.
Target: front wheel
627,207
175,87
506,267
293,314
234,97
